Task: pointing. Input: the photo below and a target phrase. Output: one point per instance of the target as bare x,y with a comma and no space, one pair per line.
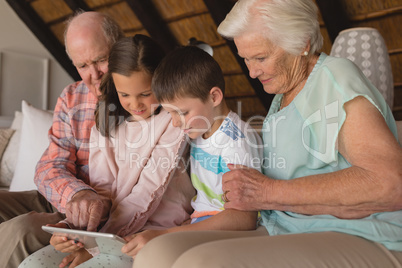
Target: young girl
135,154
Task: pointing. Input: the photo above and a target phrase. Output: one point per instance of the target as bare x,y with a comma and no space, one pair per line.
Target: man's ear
216,96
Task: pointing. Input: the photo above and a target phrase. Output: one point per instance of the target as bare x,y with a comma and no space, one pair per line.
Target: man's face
90,57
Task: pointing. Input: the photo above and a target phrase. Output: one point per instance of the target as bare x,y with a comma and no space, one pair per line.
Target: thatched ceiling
174,22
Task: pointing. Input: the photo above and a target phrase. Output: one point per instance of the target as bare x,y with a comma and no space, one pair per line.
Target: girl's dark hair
139,53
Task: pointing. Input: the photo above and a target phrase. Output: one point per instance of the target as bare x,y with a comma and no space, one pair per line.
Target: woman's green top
301,140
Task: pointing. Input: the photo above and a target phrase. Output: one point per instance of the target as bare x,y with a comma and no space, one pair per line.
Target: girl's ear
216,96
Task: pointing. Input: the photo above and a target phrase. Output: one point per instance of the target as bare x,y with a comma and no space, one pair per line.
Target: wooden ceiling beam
153,23
43,33
218,11
334,16
77,4
187,15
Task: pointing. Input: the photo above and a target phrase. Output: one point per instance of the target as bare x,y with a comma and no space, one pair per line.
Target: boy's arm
229,219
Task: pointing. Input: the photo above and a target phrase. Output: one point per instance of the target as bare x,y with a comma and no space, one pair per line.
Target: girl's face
135,94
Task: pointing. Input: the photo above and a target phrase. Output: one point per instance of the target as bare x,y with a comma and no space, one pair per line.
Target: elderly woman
334,197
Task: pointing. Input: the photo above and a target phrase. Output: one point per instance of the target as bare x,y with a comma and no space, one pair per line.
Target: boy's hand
138,241
62,243
75,258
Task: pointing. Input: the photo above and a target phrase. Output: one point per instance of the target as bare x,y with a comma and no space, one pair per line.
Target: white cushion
34,141
9,159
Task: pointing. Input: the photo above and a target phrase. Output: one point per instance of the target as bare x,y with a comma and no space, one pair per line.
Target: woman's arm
373,183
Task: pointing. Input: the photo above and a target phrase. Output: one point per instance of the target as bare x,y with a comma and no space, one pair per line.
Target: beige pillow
10,154
5,135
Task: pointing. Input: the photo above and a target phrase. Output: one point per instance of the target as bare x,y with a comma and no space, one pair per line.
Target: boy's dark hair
139,53
187,72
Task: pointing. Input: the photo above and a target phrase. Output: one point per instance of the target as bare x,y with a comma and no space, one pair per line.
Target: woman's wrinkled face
268,63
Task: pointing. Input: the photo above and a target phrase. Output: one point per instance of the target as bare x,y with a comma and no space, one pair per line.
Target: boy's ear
216,96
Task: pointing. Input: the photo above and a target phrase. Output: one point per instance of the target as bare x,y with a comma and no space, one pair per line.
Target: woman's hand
139,240
62,243
75,258
245,188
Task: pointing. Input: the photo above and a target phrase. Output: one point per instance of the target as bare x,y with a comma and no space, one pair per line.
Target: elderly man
62,173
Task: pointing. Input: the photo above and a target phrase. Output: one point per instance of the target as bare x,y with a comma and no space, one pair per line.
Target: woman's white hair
289,24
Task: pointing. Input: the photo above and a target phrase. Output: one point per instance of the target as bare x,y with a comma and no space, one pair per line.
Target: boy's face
192,115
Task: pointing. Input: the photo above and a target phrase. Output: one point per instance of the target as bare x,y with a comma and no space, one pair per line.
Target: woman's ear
306,50
216,96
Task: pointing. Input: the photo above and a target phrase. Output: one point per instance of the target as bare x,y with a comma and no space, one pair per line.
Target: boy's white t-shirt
235,142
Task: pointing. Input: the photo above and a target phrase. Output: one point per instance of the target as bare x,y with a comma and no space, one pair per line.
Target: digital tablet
107,243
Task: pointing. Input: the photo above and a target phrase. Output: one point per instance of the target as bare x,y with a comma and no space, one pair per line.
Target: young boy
189,84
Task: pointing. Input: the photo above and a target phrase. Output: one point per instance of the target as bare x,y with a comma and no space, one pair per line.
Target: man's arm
62,173
59,167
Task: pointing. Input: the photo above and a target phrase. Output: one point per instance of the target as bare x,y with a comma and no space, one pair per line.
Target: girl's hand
62,243
75,258
138,241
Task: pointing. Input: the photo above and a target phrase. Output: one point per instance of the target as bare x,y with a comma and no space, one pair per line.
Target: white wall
16,37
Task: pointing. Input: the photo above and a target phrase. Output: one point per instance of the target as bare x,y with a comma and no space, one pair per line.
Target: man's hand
86,209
